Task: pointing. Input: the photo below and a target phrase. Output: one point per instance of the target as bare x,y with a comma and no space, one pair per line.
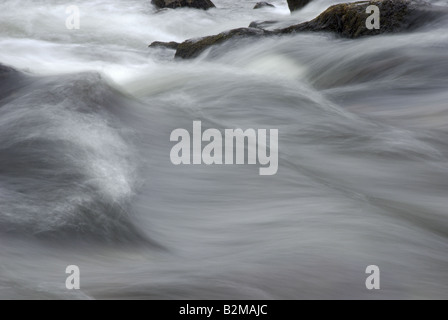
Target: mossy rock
346,20
349,19
193,48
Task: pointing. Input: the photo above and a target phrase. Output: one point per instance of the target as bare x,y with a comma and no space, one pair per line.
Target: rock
260,5
297,4
349,19
193,48
168,45
262,24
173,4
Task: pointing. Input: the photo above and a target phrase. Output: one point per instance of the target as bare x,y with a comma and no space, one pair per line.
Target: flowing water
86,177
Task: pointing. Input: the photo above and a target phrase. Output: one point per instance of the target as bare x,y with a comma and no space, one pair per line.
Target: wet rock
167,45
262,24
192,48
260,5
297,4
173,4
349,19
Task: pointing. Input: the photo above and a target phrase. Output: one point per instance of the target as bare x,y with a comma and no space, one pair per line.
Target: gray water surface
86,178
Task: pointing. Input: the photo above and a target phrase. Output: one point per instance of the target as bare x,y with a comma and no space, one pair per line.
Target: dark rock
173,4
193,48
349,19
297,4
260,5
168,45
261,24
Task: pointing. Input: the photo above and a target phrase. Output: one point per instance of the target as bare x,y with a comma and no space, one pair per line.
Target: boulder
346,20
260,5
297,4
173,4
193,48
168,45
349,19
